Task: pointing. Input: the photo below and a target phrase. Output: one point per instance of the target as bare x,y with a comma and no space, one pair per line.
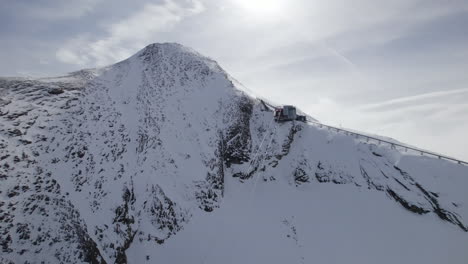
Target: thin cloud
57,10
414,100
125,37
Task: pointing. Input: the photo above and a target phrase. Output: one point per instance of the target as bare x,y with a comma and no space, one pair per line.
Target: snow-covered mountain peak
176,57
168,49
162,157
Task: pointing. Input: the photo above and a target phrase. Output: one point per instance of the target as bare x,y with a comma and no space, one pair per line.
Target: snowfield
164,158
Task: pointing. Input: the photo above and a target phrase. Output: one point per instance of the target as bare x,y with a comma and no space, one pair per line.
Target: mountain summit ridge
112,165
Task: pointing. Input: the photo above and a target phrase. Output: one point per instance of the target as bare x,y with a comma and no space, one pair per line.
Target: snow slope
163,158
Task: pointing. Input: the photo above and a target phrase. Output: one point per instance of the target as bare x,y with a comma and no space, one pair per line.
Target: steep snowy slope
161,158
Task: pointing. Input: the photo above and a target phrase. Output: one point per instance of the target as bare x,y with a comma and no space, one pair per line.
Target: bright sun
262,8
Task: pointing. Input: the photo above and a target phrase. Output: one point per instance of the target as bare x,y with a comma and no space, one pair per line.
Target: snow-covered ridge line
153,159
391,144
367,137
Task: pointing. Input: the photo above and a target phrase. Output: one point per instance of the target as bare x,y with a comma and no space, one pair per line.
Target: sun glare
262,8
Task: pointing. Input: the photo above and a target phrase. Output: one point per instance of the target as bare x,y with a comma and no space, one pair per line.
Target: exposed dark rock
238,138
123,222
55,91
442,213
411,207
405,175
431,197
12,193
207,198
25,141
328,173
91,253
122,212
289,140
15,115
165,215
321,174
23,231
300,176
121,256
370,183
399,182
15,132
265,107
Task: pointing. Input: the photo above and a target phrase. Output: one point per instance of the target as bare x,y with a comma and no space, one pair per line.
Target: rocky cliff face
100,161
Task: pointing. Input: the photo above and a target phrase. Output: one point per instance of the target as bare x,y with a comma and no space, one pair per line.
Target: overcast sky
396,68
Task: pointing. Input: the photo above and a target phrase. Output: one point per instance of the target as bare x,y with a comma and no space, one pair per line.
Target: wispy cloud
435,121
123,38
56,10
416,100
